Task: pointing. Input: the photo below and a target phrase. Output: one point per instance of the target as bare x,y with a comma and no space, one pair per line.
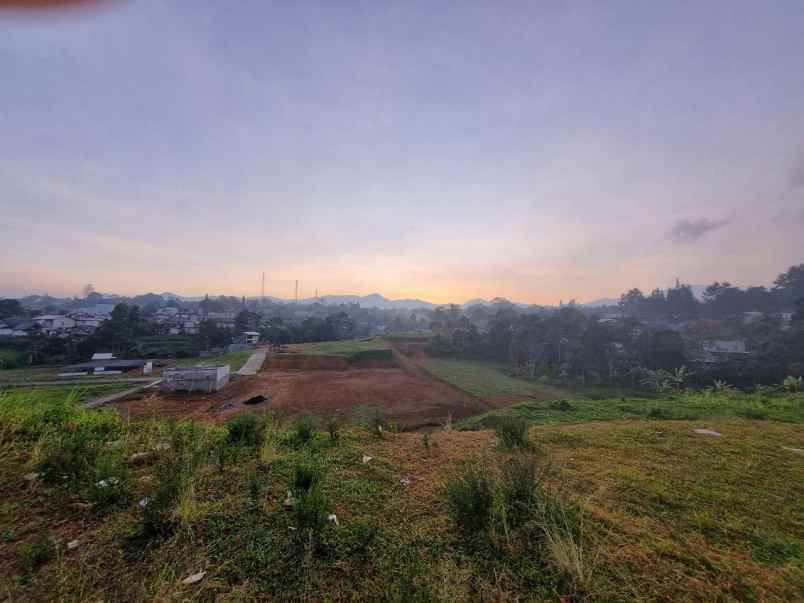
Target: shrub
254,490
67,454
519,489
304,431
332,427
562,405
34,555
243,430
657,413
470,496
792,384
309,503
310,511
305,477
111,485
513,432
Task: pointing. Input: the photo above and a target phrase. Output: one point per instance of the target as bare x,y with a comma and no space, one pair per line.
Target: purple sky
447,150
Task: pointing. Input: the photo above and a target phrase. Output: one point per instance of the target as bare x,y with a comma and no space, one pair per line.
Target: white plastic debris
405,482
708,432
289,500
796,450
193,578
162,446
366,458
105,483
333,519
30,477
73,544
144,502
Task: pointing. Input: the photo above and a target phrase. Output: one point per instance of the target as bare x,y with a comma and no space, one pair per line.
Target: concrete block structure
196,379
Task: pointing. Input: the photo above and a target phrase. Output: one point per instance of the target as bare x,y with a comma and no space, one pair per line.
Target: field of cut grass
622,511
23,375
489,380
345,349
679,406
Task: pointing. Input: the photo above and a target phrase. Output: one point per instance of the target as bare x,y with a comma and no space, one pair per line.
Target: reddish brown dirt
406,395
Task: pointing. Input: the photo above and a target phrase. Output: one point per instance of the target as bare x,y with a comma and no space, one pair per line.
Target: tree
245,320
87,290
632,303
790,285
10,308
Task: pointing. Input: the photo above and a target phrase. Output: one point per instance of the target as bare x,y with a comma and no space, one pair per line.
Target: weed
254,490
561,405
34,555
657,413
426,441
243,430
568,553
310,511
305,477
470,496
111,485
332,427
513,432
304,431
793,384
519,489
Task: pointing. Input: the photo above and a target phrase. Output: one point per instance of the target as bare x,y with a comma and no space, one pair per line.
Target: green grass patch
235,360
683,406
345,349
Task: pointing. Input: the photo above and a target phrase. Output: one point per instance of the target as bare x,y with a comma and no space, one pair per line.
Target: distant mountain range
373,300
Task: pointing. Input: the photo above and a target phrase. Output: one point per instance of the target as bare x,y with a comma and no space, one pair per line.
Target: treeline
720,299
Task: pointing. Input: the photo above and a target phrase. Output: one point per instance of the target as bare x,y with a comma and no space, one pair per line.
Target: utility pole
296,296
263,289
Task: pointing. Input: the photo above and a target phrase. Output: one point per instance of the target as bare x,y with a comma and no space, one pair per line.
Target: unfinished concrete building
196,379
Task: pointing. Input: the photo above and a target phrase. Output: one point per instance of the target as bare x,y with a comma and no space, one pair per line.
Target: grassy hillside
621,511
680,406
340,348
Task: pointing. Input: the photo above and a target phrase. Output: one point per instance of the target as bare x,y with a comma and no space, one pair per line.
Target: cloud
689,231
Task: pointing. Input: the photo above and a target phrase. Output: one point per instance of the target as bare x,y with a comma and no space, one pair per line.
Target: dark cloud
689,231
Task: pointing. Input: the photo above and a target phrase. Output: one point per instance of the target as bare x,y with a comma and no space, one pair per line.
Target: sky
538,151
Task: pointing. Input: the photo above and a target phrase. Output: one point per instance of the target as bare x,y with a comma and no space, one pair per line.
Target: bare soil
297,384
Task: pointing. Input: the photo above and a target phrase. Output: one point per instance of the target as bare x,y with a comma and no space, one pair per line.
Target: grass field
235,360
23,375
616,511
680,406
345,349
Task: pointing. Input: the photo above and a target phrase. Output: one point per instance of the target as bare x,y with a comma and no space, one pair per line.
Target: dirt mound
305,362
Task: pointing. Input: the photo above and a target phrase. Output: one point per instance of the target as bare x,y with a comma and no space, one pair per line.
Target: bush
243,430
304,431
111,485
310,511
519,489
67,455
792,384
305,478
470,496
35,554
310,504
513,432
332,427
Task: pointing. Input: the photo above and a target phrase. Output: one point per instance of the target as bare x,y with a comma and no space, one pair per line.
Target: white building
53,323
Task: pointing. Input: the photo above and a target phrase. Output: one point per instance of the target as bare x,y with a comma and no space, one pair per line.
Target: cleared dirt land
309,383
